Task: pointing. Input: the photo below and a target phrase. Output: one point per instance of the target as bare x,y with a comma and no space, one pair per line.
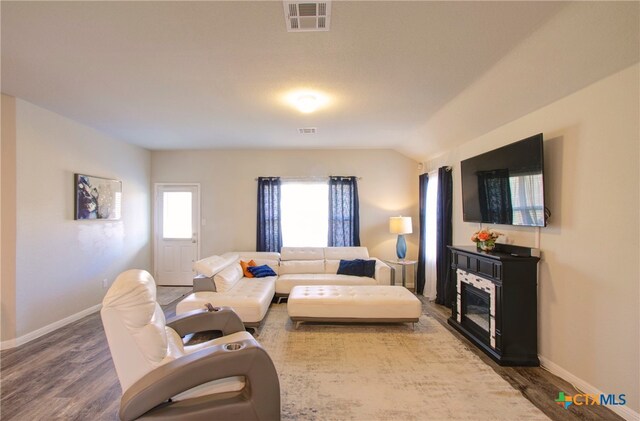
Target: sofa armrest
223,319
153,391
203,283
383,272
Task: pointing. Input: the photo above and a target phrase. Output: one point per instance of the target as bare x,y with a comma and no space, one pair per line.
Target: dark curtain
269,227
424,181
495,196
445,293
344,214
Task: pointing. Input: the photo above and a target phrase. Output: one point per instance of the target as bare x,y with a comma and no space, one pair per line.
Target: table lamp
400,225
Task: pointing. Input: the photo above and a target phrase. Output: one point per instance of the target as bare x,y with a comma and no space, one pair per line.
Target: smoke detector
308,130
306,16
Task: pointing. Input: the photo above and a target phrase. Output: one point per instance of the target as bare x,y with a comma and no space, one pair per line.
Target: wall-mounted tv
505,185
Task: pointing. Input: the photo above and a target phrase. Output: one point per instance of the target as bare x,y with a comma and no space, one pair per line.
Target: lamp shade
400,225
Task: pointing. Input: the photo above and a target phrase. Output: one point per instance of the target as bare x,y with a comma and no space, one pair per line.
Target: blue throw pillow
357,267
261,271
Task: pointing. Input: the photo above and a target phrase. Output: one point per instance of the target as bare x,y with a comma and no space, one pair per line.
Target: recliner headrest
134,293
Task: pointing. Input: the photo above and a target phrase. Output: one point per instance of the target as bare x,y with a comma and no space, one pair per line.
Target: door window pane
176,215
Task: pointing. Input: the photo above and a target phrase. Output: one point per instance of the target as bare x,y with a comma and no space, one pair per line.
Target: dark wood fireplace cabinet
496,302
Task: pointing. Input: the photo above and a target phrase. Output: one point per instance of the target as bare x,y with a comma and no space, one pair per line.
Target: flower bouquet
485,239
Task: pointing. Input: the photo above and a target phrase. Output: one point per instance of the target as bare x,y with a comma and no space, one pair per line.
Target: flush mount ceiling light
307,101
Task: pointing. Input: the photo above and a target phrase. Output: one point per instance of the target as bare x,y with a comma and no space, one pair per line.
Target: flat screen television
505,185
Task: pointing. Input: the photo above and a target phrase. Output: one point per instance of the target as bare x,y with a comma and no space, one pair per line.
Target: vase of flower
485,239
486,245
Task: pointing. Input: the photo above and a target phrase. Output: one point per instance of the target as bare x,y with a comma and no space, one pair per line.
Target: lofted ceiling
417,77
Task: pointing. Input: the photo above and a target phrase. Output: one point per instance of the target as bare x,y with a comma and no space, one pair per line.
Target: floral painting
97,198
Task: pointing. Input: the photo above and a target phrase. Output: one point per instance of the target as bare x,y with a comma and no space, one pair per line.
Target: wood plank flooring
68,375
535,383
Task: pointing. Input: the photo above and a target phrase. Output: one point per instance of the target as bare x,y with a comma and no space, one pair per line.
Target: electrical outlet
105,283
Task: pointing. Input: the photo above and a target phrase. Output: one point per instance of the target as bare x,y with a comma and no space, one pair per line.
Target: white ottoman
355,303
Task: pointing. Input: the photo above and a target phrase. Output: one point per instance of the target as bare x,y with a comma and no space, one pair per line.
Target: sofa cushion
301,266
228,277
346,253
331,266
284,283
302,253
261,271
357,267
250,298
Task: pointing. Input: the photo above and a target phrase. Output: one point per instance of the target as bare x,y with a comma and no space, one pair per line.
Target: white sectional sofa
221,282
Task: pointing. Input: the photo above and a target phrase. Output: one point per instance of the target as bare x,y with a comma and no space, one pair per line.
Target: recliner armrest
152,391
223,319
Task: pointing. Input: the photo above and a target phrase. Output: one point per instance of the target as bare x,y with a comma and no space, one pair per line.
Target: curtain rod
310,178
447,168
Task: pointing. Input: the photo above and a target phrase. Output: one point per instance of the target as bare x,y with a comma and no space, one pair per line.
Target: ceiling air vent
302,16
308,130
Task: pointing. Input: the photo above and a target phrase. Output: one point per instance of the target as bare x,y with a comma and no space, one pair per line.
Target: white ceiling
417,77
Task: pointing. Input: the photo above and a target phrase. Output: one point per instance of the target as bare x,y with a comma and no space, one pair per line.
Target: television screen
505,185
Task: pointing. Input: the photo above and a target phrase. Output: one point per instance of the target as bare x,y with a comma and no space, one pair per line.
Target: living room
571,74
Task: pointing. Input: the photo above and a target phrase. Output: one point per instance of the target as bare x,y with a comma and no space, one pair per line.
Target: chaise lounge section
221,282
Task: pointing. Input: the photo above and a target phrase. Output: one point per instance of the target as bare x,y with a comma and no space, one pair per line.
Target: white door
177,233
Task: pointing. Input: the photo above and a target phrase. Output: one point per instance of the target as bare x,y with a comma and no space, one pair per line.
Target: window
430,236
176,214
304,208
526,199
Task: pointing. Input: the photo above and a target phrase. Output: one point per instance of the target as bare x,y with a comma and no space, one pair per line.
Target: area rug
167,295
384,372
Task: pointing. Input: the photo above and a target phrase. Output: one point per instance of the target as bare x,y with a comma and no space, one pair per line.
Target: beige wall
8,220
61,263
389,186
589,297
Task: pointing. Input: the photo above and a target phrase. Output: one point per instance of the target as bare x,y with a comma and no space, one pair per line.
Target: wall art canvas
97,198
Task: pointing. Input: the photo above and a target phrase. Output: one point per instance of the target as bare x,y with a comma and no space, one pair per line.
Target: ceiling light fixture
306,101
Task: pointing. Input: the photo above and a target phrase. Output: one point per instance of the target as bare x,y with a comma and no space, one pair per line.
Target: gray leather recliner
228,378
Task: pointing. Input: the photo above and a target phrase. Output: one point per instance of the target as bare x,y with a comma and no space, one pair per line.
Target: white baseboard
12,343
624,411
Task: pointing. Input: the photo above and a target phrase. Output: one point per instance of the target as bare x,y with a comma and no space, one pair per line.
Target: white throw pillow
228,278
301,266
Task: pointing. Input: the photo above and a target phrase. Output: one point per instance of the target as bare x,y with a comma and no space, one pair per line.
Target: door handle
194,238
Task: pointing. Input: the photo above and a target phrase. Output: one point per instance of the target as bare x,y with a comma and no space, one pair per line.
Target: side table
403,264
